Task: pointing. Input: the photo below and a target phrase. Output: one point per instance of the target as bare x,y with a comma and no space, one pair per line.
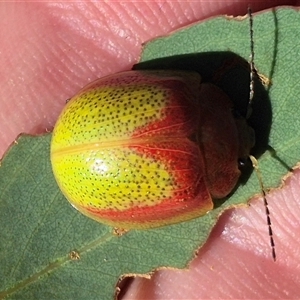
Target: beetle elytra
141,149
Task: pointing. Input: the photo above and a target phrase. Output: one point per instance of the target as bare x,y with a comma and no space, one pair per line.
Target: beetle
142,149
148,148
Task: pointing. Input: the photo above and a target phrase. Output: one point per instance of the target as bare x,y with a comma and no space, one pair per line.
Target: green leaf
39,228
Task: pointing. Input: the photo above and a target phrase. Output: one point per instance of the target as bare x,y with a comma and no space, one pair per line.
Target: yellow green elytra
143,149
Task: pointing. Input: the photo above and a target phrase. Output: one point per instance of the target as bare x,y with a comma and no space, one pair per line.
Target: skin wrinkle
139,18
179,14
169,12
137,26
149,15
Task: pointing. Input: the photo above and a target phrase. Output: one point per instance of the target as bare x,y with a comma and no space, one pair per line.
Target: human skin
53,49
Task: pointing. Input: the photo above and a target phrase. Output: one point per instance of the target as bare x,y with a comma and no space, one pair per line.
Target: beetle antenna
251,63
256,168
252,158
